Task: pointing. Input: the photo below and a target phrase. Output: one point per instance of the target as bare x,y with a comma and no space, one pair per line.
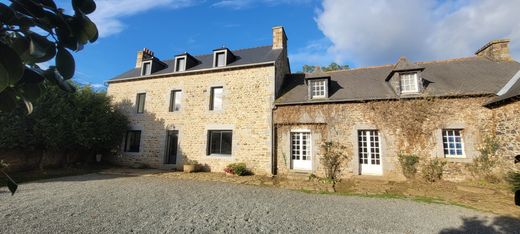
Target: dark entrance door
172,141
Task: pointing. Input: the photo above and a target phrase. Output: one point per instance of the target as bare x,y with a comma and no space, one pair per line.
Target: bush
513,178
238,169
333,157
409,164
484,164
432,170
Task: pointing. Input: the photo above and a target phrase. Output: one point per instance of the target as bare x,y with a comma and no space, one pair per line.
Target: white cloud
240,4
375,32
109,13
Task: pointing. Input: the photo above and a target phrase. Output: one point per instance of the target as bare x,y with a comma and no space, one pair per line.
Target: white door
301,151
369,152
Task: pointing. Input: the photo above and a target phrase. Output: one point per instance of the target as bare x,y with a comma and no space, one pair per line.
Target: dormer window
180,64
146,69
409,82
220,59
318,88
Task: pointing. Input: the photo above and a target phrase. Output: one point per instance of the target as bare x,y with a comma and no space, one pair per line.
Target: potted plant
190,166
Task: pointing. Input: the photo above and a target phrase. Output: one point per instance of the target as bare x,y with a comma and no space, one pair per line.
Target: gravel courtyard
98,203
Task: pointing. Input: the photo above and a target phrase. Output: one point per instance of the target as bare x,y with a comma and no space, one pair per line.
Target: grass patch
420,199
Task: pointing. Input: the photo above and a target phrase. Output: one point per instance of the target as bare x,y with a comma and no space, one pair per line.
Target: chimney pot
143,55
496,50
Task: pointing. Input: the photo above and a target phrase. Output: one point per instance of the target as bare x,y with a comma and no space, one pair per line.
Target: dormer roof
404,65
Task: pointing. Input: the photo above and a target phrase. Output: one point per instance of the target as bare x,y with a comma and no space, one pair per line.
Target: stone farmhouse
246,106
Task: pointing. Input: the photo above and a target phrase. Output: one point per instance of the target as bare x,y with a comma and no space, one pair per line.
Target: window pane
221,59
409,82
452,142
181,64
175,100
140,102
226,142
133,139
215,142
216,98
147,69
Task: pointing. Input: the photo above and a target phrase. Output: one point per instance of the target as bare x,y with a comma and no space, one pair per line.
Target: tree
331,67
34,32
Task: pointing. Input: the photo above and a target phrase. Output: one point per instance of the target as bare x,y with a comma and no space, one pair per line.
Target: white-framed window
216,98
141,97
180,64
220,59
409,82
300,145
318,89
146,68
220,142
175,100
453,143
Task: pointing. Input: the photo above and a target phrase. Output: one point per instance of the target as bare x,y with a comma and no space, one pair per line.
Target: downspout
274,148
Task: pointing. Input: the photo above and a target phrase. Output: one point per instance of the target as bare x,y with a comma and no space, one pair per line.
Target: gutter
190,72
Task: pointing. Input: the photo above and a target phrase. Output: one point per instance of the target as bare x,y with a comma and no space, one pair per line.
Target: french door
301,158
172,142
369,148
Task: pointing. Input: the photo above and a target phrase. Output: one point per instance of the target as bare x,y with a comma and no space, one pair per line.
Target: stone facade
395,120
248,96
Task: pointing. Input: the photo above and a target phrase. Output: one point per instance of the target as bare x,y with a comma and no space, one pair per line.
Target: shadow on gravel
499,224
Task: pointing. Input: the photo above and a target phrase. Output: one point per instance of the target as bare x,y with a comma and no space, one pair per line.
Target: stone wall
407,126
247,110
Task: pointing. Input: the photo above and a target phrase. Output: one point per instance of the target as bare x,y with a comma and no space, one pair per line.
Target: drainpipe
273,143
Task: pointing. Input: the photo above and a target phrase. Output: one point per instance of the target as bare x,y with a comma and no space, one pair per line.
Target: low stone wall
32,160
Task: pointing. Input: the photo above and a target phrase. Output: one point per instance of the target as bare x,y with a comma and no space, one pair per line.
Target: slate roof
455,77
248,56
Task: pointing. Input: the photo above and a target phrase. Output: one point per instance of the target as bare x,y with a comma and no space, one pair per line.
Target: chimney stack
143,55
279,38
496,50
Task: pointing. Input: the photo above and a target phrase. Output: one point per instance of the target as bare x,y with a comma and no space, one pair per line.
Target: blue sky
353,32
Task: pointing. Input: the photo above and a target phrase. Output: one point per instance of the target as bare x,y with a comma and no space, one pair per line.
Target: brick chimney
143,55
496,50
279,38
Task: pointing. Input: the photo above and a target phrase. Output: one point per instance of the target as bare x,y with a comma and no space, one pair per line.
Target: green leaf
41,49
31,92
28,7
67,39
49,4
65,63
85,29
21,46
54,76
11,66
85,6
30,76
28,106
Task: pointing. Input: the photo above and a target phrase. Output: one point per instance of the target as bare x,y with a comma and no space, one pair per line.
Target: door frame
167,148
381,143
311,148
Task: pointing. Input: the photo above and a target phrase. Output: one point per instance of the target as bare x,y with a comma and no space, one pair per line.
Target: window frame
212,98
209,143
323,84
174,98
308,144
143,66
126,149
369,147
138,102
177,67
415,77
216,59
446,149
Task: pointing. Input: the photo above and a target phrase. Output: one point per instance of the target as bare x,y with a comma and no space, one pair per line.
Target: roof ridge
250,48
448,60
356,69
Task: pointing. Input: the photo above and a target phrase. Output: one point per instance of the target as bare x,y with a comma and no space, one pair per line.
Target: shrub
409,164
3,164
432,169
513,178
238,169
484,164
191,162
333,157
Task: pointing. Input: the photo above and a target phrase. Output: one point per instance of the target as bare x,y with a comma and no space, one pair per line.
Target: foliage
34,32
513,178
3,164
333,157
239,169
408,164
432,169
81,122
484,164
330,67
191,162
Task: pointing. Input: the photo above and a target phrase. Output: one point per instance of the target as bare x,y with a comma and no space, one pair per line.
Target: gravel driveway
98,203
